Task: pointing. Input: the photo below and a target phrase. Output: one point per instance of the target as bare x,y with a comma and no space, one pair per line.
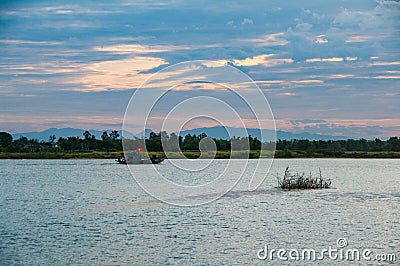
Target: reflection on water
92,212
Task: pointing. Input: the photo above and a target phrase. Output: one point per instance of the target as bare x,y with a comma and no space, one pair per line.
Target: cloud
308,81
321,39
356,19
361,32
340,76
29,42
286,94
266,60
394,63
382,128
275,39
359,38
306,121
126,66
247,21
115,74
332,59
28,123
138,48
303,27
386,77
41,68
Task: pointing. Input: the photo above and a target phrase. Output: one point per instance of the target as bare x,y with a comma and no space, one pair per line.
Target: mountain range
218,132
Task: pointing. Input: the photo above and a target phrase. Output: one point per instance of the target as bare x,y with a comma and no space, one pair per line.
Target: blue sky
327,67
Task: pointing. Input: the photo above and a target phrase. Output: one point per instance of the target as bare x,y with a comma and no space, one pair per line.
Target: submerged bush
297,181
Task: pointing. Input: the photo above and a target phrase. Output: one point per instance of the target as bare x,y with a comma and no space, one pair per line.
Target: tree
171,143
107,142
153,143
71,143
105,136
114,135
5,139
87,135
190,143
87,139
394,143
52,138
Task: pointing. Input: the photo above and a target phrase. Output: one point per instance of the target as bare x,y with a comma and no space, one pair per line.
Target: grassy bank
59,155
335,154
196,154
287,154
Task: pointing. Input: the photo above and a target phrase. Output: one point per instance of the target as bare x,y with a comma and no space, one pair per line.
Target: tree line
113,142
88,142
377,145
172,142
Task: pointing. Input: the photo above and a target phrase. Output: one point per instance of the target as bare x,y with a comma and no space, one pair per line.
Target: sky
326,67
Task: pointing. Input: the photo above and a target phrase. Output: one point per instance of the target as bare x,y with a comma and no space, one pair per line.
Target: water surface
57,212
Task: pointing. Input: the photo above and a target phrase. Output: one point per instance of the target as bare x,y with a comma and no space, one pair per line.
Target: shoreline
279,154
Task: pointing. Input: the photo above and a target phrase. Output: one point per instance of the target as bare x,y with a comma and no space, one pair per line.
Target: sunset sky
326,67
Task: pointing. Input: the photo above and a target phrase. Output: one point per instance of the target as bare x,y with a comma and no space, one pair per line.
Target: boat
136,157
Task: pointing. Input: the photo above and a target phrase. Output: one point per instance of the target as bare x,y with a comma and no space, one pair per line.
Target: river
85,212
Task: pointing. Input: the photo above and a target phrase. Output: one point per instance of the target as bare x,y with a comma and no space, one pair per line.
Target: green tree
114,135
153,143
87,135
394,143
5,139
52,138
105,136
87,139
106,141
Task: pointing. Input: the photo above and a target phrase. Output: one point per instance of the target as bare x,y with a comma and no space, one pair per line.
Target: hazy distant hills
218,132
62,132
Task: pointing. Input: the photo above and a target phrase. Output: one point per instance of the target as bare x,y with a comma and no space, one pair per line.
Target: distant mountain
145,133
220,132
63,132
305,135
217,132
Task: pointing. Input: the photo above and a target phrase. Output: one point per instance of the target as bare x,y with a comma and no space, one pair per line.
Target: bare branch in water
300,181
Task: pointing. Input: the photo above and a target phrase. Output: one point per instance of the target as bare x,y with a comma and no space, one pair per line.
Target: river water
85,212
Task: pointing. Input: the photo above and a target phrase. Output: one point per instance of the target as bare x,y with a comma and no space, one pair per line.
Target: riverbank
196,154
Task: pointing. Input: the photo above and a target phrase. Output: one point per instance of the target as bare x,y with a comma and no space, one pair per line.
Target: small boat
155,160
137,158
121,160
